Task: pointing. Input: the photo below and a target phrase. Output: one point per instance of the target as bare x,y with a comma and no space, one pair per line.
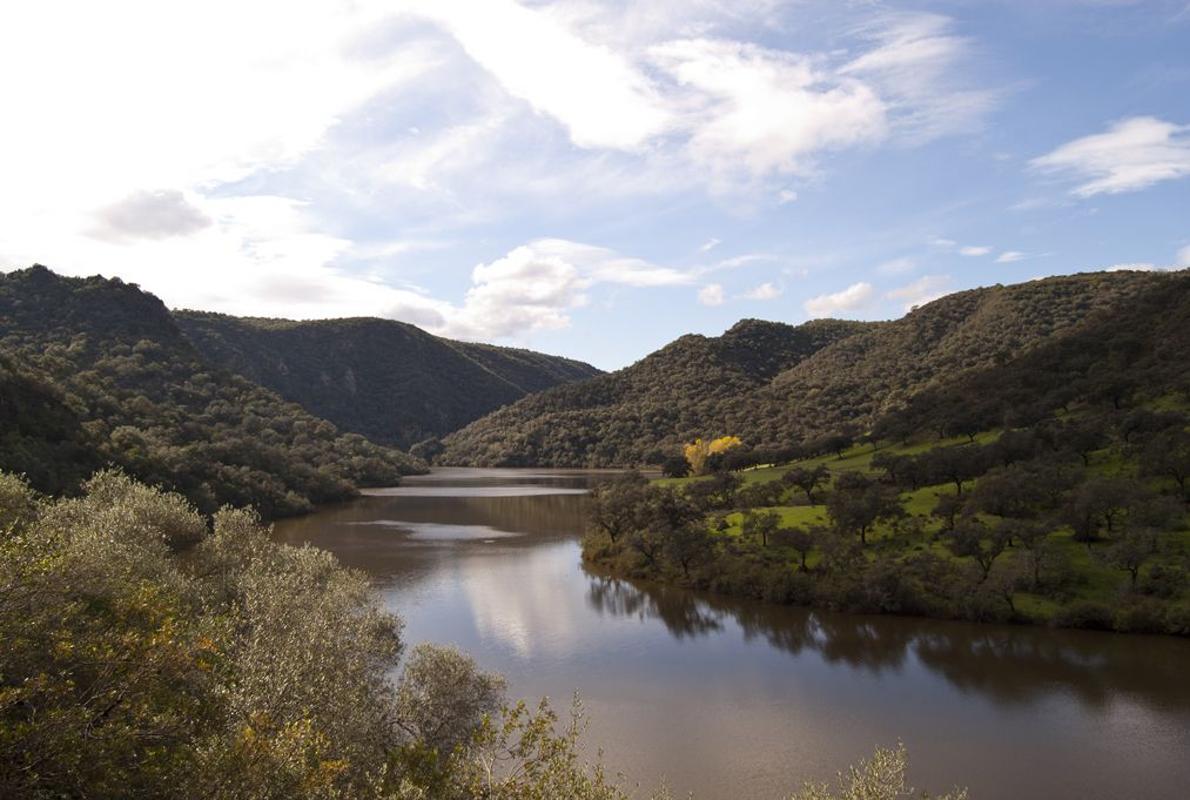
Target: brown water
731,699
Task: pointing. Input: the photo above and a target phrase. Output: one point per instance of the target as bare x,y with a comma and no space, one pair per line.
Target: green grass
1093,579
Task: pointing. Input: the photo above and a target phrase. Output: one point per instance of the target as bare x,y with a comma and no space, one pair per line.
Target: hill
389,381
95,371
823,377
691,387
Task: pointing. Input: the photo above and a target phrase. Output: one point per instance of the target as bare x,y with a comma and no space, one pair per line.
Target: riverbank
856,532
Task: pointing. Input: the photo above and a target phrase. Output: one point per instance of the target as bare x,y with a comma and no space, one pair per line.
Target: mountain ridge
388,380
849,382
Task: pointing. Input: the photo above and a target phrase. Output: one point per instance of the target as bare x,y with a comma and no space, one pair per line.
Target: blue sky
592,178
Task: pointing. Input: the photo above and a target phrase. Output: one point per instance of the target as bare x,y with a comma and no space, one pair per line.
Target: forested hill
689,388
96,372
389,381
846,377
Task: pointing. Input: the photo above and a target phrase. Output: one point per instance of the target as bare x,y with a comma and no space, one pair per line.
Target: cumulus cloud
601,98
921,291
765,291
535,286
974,250
1131,155
620,80
711,295
1010,257
766,109
709,245
150,215
855,296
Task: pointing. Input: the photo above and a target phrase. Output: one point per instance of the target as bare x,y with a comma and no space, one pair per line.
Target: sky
591,178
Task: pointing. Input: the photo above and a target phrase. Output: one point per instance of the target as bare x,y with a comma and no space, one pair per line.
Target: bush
1084,614
1140,616
1177,619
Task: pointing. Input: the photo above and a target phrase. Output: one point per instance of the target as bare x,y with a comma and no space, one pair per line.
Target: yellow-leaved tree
698,452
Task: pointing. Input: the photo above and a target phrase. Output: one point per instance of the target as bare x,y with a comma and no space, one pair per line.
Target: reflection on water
735,699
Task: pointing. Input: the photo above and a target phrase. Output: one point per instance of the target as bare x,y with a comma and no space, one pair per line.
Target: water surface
731,699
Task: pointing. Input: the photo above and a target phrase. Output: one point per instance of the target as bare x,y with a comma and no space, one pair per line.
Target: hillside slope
847,376
95,371
853,383
390,381
689,388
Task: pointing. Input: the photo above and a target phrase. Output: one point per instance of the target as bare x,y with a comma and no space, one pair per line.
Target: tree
1168,455
689,545
881,778
973,540
1130,552
763,493
808,480
1102,502
698,452
858,503
675,467
956,464
443,698
1011,491
948,508
717,492
616,506
799,539
1083,438
760,524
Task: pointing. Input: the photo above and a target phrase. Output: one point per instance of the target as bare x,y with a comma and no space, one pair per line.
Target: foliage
973,358
651,408
883,777
389,381
1019,526
95,372
698,453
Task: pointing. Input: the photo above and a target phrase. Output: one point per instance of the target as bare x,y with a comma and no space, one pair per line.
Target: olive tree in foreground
880,778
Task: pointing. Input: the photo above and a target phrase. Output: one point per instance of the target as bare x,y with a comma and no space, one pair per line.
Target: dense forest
148,654
389,381
95,372
773,385
628,417
1052,487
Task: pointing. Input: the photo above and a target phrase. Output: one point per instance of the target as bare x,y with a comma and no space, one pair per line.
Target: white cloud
536,285
921,291
711,295
765,291
974,250
1010,257
943,243
1132,154
150,215
897,266
913,65
1183,257
786,196
709,245
601,98
855,296
767,110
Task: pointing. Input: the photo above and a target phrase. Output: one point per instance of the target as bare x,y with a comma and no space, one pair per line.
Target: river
734,700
